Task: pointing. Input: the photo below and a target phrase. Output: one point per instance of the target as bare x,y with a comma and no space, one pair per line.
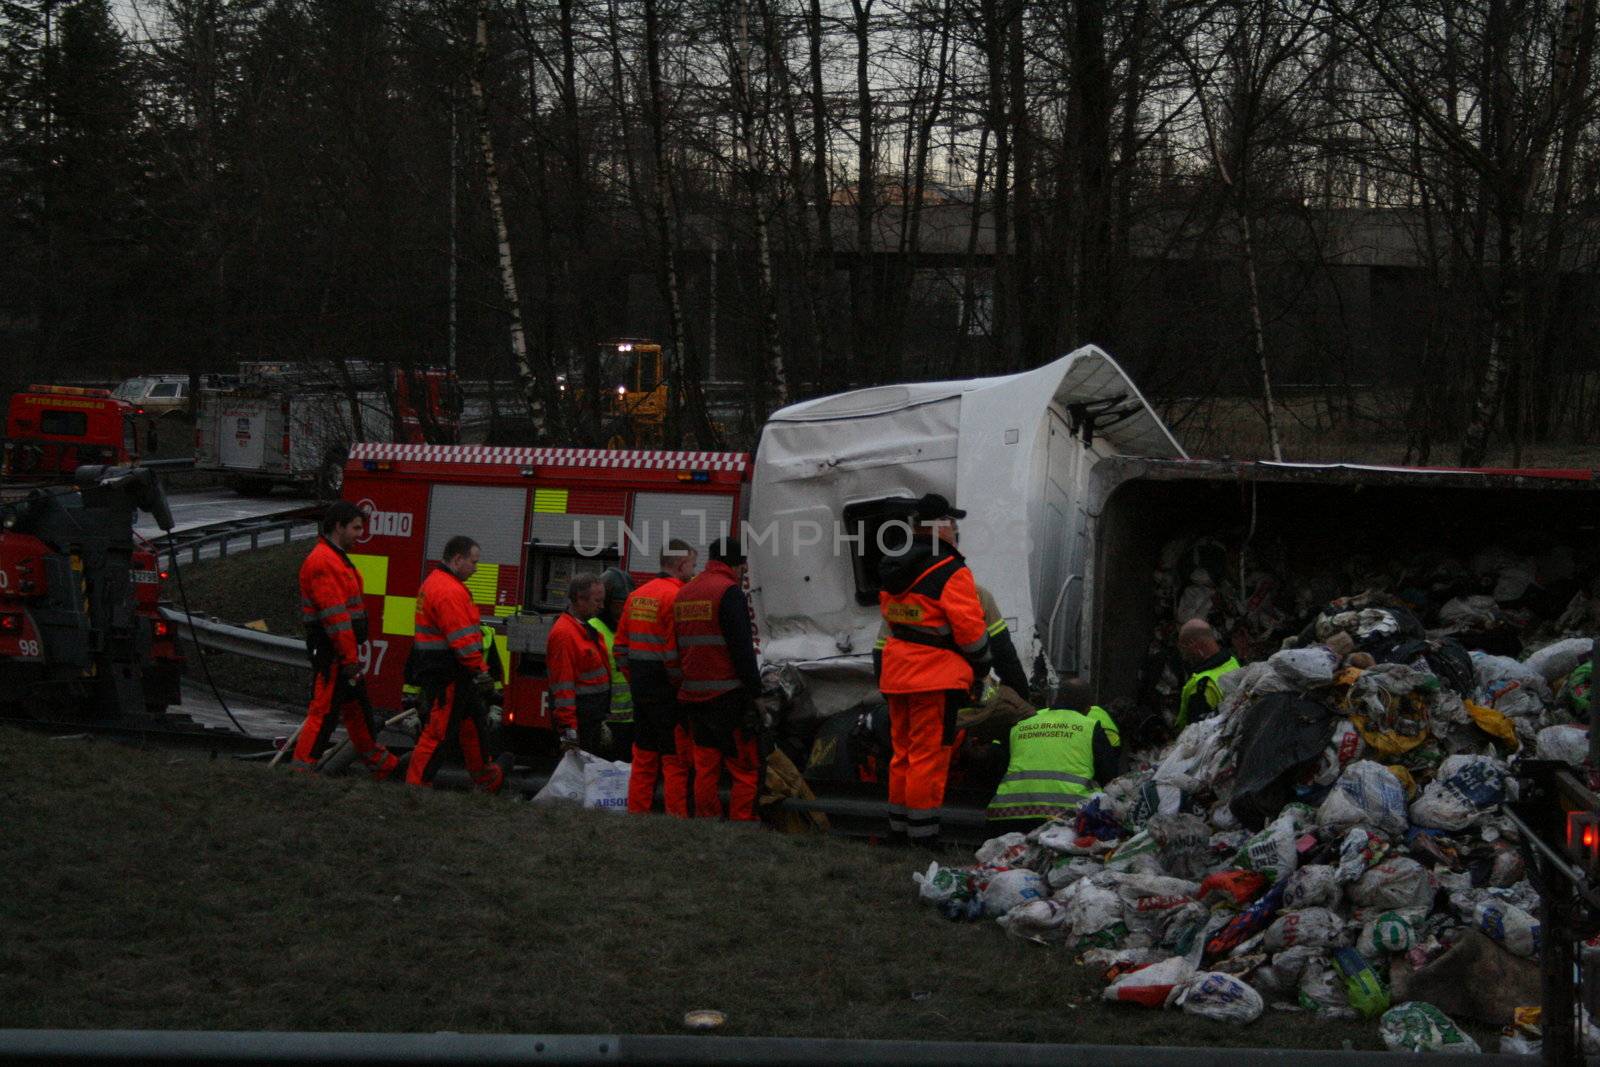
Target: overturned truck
1076,492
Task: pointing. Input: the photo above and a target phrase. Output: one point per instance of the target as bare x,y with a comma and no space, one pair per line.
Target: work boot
492,778
383,764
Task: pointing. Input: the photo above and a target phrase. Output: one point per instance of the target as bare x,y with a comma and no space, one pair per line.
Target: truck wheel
330,476
250,486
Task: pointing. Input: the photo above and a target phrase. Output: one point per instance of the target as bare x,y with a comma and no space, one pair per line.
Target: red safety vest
697,628
449,629
645,648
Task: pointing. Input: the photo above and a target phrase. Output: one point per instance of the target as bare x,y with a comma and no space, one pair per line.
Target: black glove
484,685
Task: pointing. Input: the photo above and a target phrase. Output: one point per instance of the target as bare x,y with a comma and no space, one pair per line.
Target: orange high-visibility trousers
447,716
660,736
917,728
742,767
327,689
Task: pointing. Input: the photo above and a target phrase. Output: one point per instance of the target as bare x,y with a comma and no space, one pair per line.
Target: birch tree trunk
755,183
526,378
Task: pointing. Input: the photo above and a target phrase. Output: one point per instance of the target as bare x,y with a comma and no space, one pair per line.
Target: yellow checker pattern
550,501
400,612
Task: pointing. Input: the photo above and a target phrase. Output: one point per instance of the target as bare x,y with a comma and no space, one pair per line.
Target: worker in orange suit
938,644
335,620
662,747
451,672
716,653
577,671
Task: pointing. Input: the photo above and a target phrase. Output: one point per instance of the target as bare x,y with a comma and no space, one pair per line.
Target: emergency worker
492,659
452,677
577,675
1007,665
663,749
618,728
335,620
1058,758
716,651
1207,661
938,646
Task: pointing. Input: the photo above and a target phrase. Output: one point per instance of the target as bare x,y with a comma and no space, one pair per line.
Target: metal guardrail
241,640
271,529
175,464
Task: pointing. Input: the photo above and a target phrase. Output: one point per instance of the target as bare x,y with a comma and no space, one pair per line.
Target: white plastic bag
605,784
939,884
1314,886
1344,748
1007,889
1064,870
1418,1027
1272,852
1000,851
1569,744
1463,790
1090,907
1306,668
1311,927
1554,662
1044,921
1223,997
1365,795
1393,884
1508,924
1322,990
1151,986
566,781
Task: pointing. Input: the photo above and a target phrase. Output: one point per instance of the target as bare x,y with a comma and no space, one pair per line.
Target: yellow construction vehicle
634,403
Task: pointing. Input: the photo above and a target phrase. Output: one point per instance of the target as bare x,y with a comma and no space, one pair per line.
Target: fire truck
540,516
80,626
292,423
53,429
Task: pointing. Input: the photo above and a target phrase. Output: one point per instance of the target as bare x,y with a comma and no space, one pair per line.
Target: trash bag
566,784
1306,668
1063,871
1277,734
1183,842
1445,658
1233,889
1361,850
1391,932
1139,854
1091,907
1273,851
938,884
1395,883
1150,986
605,785
1344,748
1314,886
1007,889
1365,795
1569,744
1043,921
1312,927
1322,990
1464,790
1003,850
1223,997
1416,1026
1281,977
1149,901
1248,923
1361,985
1509,925
1556,661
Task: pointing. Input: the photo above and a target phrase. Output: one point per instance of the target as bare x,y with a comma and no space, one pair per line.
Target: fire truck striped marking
630,459
484,583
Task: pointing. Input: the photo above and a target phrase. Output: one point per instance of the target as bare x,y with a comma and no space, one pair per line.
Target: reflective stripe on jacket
937,632
576,673
449,637
331,607
1052,765
621,695
645,649
710,665
1204,683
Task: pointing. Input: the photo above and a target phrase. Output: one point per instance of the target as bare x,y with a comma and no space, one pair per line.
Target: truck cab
51,430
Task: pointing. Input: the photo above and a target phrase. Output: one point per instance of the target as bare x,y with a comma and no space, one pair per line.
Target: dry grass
147,890
243,588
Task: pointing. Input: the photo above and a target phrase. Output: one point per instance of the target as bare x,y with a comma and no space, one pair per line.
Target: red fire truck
540,515
51,430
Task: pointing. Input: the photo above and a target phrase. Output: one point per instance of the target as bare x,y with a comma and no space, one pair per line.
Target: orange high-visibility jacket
711,625
577,674
644,647
937,633
330,601
449,637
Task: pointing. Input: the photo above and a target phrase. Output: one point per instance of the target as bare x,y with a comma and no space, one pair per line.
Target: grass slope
244,588
143,889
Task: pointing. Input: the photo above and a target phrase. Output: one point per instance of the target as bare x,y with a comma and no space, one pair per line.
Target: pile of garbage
1331,842
1498,599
